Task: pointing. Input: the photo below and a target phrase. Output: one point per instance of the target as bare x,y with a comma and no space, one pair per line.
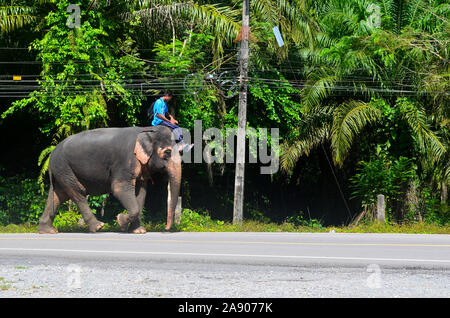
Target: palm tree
351,62
223,20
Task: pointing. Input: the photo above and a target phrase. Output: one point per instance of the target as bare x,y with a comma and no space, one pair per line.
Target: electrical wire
84,83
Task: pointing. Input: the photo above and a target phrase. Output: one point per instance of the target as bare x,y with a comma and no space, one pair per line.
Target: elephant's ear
144,147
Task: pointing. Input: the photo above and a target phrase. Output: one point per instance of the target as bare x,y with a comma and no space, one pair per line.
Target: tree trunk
412,200
444,192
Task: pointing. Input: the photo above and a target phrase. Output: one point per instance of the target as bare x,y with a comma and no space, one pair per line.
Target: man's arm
171,120
161,113
159,109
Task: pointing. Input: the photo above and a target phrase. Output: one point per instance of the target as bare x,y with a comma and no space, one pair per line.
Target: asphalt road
224,265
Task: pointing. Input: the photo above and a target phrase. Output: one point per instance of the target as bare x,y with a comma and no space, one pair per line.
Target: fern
44,157
45,154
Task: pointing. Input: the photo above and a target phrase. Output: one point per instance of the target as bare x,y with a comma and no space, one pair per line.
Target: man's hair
168,93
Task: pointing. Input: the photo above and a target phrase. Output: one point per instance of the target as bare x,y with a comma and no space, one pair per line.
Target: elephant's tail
52,189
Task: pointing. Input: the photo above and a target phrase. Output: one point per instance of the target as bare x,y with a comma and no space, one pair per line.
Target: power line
86,88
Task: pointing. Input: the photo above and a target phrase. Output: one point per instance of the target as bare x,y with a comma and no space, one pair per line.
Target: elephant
111,160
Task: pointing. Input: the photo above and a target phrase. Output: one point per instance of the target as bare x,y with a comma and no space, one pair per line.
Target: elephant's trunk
174,173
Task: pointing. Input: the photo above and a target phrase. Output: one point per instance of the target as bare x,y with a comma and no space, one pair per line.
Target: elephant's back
100,140
94,152
102,136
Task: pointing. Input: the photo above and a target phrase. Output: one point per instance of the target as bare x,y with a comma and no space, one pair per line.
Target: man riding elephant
161,116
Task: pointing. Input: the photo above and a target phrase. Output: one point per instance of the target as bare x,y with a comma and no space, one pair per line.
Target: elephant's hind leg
89,218
55,198
77,193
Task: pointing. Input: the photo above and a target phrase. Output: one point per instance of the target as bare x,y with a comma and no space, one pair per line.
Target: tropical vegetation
359,92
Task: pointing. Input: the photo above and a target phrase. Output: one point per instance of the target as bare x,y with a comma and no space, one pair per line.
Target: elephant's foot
139,230
96,226
47,229
122,221
136,228
168,226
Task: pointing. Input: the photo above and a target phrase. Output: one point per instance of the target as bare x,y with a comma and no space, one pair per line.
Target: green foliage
410,228
181,57
382,175
82,78
71,225
349,119
299,220
19,228
257,215
176,60
348,60
82,73
276,101
45,154
375,93
416,118
194,221
72,221
68,221
20,200
435,211
96,201
15,15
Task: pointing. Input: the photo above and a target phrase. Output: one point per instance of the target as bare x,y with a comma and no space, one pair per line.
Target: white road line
224,242
229,255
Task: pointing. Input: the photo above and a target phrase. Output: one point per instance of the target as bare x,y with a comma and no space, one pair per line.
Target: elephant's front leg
126,194
141,192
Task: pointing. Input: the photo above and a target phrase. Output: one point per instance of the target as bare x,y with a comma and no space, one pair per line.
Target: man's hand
173,121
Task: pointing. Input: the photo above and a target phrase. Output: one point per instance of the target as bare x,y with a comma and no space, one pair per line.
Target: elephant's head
156,149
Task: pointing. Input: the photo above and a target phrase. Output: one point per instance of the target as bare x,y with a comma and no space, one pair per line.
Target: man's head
168,95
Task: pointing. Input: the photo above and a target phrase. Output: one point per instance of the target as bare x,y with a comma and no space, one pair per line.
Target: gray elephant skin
111,160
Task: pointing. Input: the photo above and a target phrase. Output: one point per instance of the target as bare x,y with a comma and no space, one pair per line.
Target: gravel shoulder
61,277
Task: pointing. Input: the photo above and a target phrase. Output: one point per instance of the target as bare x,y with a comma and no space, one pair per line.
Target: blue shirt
160,107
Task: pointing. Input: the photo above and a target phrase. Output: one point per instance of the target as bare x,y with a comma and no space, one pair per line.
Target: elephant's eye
167,153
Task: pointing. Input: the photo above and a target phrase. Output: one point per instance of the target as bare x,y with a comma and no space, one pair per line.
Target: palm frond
349,119
317,90
313,130
292,151
416,119
224,20
15,17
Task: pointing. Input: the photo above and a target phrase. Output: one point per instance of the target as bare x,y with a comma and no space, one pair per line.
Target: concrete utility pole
242,117
381,208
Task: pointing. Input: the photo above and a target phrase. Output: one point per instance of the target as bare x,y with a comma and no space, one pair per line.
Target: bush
20,200
299,220
382,175
68,221
434,211
193,221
